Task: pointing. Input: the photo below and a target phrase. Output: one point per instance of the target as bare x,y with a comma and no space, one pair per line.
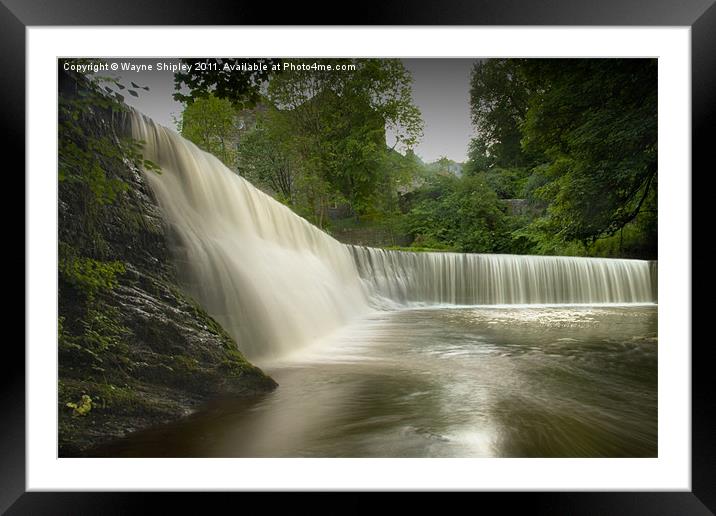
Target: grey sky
441,89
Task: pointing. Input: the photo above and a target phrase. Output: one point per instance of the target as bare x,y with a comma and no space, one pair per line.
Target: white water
276,282
502,279
271,279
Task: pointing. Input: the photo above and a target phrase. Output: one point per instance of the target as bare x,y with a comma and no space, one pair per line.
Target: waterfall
276,282
273,280
502,279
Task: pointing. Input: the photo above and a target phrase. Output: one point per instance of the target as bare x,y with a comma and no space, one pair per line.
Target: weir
276,282
502,279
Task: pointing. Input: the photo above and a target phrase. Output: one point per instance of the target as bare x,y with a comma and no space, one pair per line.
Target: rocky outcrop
172,358
134,349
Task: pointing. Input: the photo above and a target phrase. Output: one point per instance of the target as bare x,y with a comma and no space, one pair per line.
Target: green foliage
84,154
88,275
94,341
335,123
83,165
93,152
66,341
499,95
265,159
118,399
320,140
459,214
443,166
317,138
478,157
101,331
212,124
635,240
577,136
399,173
104,397
225,79
596,128
82,407
508,183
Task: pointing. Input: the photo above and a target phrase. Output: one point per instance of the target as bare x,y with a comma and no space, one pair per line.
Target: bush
460,214
508,183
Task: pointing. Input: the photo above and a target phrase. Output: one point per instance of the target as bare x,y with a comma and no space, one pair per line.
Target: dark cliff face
134,350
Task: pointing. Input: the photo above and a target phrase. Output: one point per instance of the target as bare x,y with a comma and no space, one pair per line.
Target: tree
211,123
578,136
459,214
237,80
478,157
265,160
335,120
326,124
499,95
443,165
594,121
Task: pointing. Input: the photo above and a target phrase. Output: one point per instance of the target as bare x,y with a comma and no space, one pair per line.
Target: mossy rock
130,339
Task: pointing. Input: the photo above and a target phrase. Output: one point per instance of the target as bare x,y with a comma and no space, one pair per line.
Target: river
480,381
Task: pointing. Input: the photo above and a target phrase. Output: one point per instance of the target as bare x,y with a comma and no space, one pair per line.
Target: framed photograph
360,258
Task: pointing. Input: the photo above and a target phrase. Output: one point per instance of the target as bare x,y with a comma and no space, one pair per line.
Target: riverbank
172,359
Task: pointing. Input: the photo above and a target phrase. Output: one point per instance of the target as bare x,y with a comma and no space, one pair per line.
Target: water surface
537,381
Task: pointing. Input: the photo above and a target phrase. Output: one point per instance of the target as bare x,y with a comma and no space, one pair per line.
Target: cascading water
273,280
276,282
502,279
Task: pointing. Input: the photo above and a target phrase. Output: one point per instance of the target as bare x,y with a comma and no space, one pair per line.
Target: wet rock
171,357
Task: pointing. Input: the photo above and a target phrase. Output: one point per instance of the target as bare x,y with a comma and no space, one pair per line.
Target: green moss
235,365
105,397
118,399
102,330
82,407
185,363
87,275
95,345
203,318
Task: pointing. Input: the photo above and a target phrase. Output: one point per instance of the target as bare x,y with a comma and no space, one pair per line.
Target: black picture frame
699,15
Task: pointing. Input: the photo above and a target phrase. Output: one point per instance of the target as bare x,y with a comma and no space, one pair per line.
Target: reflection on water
569,381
